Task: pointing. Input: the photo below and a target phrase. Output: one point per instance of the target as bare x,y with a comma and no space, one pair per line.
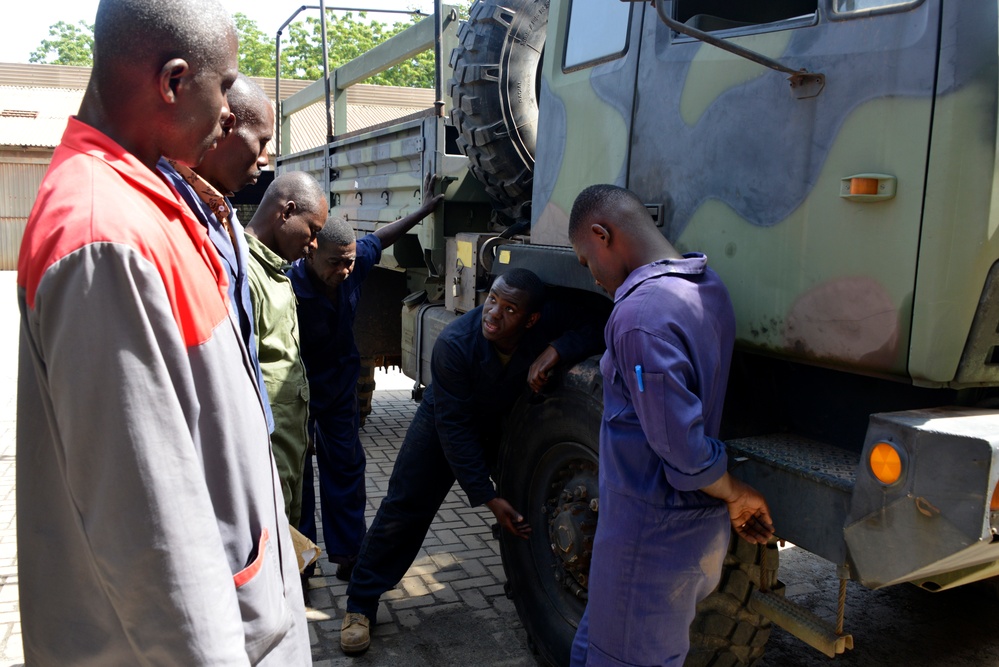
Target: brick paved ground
449,610
10,626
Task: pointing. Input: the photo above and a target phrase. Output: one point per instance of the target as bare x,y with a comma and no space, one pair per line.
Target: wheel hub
571,526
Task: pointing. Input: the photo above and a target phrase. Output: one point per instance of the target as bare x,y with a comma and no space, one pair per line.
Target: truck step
818,461
800,622
791,472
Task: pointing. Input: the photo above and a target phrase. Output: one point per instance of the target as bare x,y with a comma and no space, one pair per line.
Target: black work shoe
305,590
344,570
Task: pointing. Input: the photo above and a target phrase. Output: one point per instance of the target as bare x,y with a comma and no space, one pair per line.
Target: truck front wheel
548,471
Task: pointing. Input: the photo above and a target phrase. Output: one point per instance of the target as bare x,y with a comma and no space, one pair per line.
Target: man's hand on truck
540,371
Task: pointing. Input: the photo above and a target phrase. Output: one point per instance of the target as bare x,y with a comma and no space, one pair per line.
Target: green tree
301,55
349,36
71,44
256,49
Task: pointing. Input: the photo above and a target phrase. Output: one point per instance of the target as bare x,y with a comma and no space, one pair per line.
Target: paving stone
473,582
409,603
474,568
408,618
474,598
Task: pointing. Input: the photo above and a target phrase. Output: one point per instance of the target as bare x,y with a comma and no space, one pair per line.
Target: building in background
36,100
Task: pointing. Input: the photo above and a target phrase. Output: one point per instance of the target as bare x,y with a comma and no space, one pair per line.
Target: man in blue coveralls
667,500
482,362
232,165
328,286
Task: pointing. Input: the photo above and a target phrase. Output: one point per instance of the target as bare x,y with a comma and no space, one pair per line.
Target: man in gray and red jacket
150,527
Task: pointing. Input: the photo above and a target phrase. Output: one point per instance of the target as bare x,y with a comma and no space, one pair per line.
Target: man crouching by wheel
480,365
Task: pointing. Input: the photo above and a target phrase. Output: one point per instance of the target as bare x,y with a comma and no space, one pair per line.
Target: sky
28,22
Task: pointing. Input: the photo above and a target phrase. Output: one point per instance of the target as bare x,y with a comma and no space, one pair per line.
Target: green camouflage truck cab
836,161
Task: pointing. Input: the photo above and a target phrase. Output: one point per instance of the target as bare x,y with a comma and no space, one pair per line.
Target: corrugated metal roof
49,94
31,75
36,101
308,126
35,116
43,76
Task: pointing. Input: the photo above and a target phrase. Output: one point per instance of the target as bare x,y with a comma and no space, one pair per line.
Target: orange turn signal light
886,463
994,505
863,186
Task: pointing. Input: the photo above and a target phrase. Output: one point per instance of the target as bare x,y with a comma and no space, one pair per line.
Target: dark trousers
307,525
421,479
341,461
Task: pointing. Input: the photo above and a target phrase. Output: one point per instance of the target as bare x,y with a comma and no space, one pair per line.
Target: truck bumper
933,526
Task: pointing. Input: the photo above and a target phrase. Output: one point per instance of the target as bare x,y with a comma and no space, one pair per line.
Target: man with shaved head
282,230
234,164
328,286
667,501
149,530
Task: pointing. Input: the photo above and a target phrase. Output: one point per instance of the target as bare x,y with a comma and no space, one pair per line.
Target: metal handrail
326,75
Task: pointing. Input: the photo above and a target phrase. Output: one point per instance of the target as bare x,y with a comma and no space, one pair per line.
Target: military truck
835,160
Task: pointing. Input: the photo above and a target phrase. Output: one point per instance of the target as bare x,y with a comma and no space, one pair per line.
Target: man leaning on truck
328,286
664,485
480,365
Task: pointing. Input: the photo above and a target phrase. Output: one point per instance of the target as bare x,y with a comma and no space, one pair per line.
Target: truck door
585,106
807,204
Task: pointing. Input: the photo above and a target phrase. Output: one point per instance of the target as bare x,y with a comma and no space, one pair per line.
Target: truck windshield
850,6
709,15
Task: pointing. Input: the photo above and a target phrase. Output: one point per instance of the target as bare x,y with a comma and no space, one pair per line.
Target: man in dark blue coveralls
480,366
667,501
328,286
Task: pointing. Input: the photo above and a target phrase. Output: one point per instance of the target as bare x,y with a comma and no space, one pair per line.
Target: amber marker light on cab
863,186
994,505
886,463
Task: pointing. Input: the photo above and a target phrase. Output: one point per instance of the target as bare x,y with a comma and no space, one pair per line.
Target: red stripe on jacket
96,192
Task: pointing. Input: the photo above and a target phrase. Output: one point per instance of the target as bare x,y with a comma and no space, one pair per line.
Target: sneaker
355,636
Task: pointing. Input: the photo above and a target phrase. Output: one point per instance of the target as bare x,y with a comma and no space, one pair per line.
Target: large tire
494,93
725,633
550,452
548,464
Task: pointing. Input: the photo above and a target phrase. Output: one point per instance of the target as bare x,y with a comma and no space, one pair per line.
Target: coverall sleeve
575,330
454,414
669,408
253,280
118,374
369,253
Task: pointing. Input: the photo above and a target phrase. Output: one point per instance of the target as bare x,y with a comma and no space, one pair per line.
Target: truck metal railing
439,32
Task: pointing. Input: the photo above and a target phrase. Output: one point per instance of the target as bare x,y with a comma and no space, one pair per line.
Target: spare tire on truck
548,471
494,93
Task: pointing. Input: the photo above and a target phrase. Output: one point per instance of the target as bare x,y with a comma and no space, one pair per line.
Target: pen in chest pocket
638,375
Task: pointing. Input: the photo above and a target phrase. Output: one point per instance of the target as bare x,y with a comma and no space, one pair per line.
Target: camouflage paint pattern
751,175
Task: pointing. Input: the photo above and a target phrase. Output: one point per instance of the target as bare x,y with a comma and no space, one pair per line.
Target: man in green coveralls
282,230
